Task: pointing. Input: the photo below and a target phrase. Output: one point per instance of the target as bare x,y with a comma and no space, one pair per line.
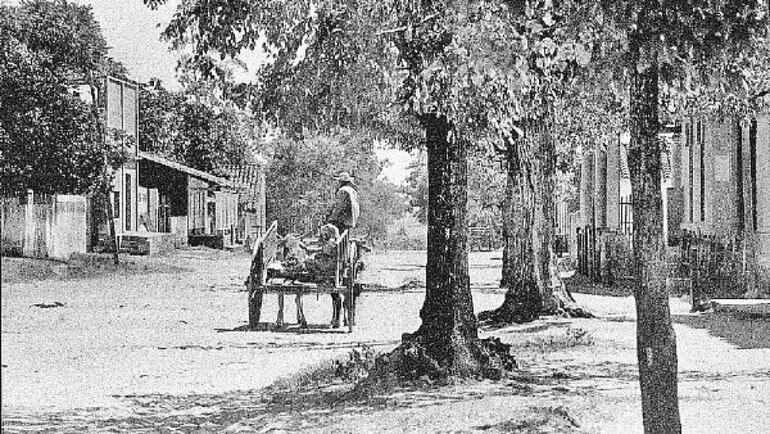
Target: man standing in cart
343,215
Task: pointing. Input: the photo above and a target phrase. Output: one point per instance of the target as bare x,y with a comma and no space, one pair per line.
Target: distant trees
209,135
50,140
302,186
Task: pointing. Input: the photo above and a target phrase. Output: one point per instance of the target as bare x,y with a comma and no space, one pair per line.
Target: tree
302,188
210,134
416,188
663,41
554,45
51,141
374,55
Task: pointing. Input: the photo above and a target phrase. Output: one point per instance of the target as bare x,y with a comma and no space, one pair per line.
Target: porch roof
185,169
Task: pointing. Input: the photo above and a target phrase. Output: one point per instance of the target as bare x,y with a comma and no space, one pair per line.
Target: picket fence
43,226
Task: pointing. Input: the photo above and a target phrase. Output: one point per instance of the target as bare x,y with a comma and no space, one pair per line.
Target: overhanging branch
404,28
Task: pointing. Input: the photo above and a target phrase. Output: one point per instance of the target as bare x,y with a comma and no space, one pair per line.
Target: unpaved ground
157,353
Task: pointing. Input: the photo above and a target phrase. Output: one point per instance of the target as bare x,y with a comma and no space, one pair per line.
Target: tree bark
448,324
529,269
656,342
523,301
447,342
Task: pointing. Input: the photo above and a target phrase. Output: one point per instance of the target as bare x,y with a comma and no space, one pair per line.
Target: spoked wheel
351,299
254,285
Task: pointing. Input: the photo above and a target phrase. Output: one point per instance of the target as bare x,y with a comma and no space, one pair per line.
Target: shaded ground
27,270
146,353
743,331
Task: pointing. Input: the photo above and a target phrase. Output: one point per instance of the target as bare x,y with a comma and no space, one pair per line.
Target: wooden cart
260,282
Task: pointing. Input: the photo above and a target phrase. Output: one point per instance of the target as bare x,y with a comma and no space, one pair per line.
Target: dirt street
158,352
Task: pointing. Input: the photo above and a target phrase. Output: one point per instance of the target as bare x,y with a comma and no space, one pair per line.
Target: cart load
297,265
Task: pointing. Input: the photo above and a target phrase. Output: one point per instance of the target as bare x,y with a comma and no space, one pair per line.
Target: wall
45,226
721,181
12,218
763,190
122,111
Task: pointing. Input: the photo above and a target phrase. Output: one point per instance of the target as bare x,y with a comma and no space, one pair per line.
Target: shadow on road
745,332
288,328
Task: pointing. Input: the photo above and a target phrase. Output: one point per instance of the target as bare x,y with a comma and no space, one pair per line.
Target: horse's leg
345,304
300,312
279,320
336,307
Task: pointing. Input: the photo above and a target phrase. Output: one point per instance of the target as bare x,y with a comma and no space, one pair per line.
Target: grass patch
558,339
81,266
350,371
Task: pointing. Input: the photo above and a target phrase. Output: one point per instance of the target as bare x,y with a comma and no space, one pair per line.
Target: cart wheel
351,286
255,285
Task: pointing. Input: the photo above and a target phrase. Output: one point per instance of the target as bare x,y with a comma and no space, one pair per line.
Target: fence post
579,238
28,246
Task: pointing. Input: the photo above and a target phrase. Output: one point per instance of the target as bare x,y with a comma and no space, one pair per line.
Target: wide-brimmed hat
344,177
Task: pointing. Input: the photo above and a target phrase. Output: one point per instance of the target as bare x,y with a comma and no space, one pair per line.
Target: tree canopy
50,140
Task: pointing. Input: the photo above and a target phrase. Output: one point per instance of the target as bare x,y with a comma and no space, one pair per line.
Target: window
741,206
128,202
753,153
690,176
702,142
116,204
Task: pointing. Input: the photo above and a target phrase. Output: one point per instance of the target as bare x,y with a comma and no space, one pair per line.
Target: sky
133,31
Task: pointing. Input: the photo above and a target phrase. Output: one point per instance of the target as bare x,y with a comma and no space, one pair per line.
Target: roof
246,178
185,169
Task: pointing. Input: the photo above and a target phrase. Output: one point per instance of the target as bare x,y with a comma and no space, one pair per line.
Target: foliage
66,35
486,189
486,181
359,364
416,188
209,136
50,140
302,188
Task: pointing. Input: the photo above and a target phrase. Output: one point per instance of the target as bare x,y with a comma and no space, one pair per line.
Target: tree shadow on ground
743,331
308,405
583,285
536,420
287,328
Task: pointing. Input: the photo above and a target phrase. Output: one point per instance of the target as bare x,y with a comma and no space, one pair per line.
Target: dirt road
158,352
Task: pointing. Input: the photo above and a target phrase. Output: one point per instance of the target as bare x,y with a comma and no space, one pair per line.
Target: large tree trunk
529,268
447,342
523,301
656,342
448,323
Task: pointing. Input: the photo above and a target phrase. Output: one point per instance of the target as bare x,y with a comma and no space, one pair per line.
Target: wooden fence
44,226
716,266
604,255
626,211
483,238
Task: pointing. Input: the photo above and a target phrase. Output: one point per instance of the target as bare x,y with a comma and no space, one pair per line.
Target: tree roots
411,363
523,303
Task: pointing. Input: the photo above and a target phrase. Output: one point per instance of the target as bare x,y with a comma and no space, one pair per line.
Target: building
725,184
192,206
250,183
602,229
156,204
159,204
715,187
